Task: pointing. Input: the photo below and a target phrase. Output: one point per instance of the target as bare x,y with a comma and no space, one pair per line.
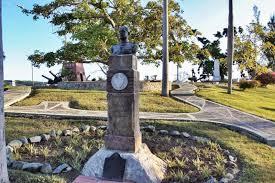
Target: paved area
14,95
210,112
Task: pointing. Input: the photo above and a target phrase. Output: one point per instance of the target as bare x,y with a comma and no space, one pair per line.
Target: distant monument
74,72
124,157
216,71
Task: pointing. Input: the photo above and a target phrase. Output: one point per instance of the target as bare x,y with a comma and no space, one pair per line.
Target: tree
230,46
269,43
92,27
3,159
212,51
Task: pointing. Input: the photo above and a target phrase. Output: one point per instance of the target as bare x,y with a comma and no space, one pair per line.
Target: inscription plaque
114,167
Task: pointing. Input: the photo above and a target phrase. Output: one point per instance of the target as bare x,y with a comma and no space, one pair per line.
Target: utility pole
3,157
32,77
165,50
230,46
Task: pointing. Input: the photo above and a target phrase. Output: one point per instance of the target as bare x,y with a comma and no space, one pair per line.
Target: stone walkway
12,96
210,112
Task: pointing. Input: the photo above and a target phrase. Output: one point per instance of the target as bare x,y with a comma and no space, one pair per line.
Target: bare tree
165,51
230,46
3,157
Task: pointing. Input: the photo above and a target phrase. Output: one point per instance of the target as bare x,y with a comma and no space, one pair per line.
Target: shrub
73,103
266,78
6,86
248,84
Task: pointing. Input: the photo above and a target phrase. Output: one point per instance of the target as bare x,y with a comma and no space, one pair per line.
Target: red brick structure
74,72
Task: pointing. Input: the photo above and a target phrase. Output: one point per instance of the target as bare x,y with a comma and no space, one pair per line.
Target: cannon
57,79
50,81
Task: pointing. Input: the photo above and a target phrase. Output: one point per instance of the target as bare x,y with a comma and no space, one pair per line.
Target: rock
32,167
53,133
85,128
67,133
212,180
142,166
46,168
75,130
200,139
92,129
18,165
58,132
45,137
174,133
60,168
185,134
232,164
68,169
15,144
224,180
232,158
9,150
163,132
229,176
24,140
9,161
226,152
149,128
102,127
35,139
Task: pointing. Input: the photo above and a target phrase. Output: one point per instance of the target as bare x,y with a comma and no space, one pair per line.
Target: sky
22,35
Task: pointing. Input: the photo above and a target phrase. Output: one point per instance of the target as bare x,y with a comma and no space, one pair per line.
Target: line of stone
46,168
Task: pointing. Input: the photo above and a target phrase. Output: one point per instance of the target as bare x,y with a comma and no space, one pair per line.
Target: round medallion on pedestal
119,81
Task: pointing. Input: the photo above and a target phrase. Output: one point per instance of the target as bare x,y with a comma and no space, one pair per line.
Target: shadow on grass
268,108
234,88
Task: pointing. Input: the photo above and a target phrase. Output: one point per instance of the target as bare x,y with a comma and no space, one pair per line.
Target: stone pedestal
123,134
123,112
141,167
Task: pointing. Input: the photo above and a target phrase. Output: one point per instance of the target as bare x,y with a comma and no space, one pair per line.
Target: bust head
123,33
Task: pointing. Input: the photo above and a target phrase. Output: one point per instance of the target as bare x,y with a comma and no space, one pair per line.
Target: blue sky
22,35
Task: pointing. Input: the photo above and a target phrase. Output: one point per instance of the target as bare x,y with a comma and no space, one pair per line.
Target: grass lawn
259,101
258,160
96,100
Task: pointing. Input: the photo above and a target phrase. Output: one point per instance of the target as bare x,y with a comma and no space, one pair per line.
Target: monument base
216,78
141,167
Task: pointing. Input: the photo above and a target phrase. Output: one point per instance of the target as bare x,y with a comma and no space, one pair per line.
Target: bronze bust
125,47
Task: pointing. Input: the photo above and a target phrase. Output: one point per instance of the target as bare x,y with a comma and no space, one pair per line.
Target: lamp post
32,77
165,51
3,158
230,46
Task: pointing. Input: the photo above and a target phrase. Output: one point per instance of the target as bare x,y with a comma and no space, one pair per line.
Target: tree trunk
3,157
230,46
165,51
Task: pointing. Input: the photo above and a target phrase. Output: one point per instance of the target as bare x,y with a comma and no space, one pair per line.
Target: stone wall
87,85
101,85
152,86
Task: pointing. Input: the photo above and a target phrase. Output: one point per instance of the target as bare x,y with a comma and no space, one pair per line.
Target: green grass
258,160
259,101
96,100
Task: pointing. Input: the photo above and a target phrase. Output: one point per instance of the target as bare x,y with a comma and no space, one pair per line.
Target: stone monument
123,142
216,72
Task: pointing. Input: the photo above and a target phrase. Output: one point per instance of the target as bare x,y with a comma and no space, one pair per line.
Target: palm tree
230,46
165,51
3,159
